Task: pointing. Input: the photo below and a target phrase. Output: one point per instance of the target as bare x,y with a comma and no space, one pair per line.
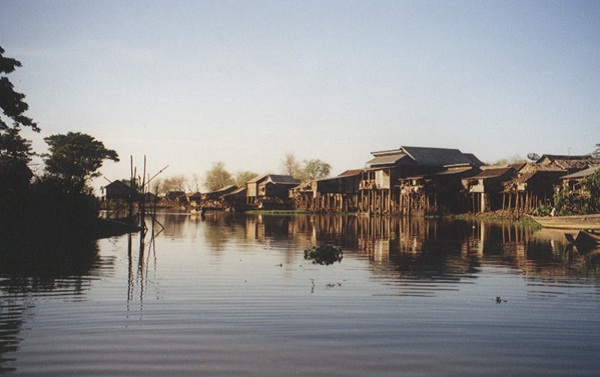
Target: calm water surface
232,295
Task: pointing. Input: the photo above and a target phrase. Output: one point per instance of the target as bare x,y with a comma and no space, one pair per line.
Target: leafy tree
12,103
76,158
308,170
217,177
581,202
315,169
173,183
243,177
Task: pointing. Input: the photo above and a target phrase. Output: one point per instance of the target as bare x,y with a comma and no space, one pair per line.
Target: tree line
218,176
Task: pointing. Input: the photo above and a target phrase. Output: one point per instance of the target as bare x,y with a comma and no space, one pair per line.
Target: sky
191,83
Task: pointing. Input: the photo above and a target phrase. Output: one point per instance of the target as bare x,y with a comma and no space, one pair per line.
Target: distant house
119,190
176,196
270,189
214,195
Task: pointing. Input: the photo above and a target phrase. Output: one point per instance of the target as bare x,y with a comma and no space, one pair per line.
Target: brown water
233,296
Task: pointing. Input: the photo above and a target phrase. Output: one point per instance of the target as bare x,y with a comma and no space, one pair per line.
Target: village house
486,188
270,191
535,183
336,194
380,185
572,182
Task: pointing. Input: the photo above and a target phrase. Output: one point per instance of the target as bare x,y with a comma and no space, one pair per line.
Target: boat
105,228
585,240
576,222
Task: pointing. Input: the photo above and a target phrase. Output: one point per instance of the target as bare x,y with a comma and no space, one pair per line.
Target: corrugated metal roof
275,178
437,156
582,174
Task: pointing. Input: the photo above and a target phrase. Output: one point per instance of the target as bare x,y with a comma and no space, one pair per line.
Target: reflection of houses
337,194
270,191
380,193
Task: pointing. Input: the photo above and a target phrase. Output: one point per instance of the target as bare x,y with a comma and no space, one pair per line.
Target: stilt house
535,183
380,185
270,190
335,194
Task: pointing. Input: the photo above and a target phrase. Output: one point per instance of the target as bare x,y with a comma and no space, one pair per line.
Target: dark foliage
325,255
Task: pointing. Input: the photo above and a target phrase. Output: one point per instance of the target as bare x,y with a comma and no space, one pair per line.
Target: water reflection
416,248
28,274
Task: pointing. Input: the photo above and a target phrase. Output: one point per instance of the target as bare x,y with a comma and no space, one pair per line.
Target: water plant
324,255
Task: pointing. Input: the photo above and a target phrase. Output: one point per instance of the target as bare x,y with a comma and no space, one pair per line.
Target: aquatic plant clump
324,255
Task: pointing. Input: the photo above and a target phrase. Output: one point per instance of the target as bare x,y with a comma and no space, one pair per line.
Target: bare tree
290,165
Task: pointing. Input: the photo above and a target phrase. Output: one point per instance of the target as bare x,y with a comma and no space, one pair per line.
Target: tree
290,165
596,152
13,147
243,177
514,159
76,158
12,103
217,177
314,169
174,183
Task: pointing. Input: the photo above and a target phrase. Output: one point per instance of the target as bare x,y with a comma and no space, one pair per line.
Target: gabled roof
385,159
437,156
350,173
493,173
567,162
282,179
424,156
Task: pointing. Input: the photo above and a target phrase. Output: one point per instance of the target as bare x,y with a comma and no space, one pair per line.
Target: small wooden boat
105,228
577,222
585,239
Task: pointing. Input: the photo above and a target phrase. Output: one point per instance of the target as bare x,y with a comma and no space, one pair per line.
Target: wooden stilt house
380,185
270,191
535,183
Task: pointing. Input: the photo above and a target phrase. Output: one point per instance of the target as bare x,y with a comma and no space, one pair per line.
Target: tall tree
76,158
290,165
217,177
12,102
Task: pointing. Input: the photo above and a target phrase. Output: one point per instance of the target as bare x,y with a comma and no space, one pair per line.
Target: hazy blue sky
189,83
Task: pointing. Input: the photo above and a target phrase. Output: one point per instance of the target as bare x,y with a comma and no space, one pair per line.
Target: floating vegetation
326,255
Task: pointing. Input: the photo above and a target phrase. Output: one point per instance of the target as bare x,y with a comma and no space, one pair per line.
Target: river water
233,295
